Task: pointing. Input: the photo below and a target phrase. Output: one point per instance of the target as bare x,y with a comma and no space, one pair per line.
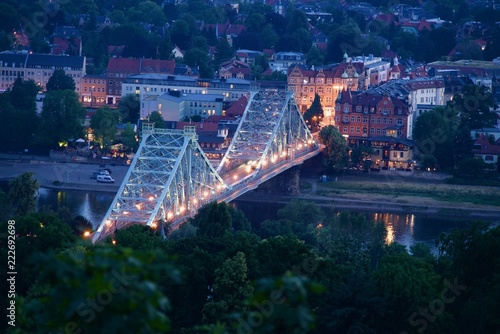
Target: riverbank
394,192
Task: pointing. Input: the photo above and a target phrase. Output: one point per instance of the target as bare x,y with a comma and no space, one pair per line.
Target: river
404,228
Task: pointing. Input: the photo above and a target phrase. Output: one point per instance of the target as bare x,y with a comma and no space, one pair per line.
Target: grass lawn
442,192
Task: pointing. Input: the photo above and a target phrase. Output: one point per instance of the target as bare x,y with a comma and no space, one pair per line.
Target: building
175,105
144,85
12,66
474,68
234,69
421,95
119,69
66,40
327,83
487,150
392,153
39,68
93,92
375,70
282,61
360,115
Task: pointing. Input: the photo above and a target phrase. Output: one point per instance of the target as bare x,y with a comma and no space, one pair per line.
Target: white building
39,68
375,69
174,105
282,61
144,85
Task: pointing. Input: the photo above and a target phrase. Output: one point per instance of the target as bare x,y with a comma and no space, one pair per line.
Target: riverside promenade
53,174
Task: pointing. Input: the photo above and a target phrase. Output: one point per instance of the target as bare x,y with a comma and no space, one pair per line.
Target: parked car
105,179
99,172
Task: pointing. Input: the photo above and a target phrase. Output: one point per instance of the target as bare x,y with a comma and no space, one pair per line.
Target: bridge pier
286,183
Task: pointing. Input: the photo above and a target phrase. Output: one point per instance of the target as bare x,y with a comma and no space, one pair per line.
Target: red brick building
362,115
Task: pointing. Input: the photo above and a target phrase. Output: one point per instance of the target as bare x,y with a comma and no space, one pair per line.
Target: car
99,172
105,179
105,171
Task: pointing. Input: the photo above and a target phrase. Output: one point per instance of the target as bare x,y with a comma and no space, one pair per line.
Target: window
358,119
357,129
365,130
352,129
372,120
399,121
345,129
395,154
346,118
378,131
401,154
372,131
488,158
378,120
390,120
365,120
352,118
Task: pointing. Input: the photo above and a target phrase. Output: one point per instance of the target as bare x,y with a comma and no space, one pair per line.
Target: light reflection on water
405,228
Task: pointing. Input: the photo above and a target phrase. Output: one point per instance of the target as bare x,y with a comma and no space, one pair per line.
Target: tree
359,156
336,152
179,34
18,115
224,52
198,58
129,108
314,57
472,167
475,104
314,114
105,289
138,237
213,220
156,118
129,137
61,118
60,81
288,296
23,95
103,124
231,288
434,134
148,11
469,263
22,194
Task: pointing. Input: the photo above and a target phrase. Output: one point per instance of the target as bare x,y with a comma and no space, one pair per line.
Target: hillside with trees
304,272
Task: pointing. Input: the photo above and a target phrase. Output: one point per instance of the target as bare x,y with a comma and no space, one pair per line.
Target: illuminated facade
327,83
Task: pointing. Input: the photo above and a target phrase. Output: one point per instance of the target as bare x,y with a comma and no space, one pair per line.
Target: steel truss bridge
170,177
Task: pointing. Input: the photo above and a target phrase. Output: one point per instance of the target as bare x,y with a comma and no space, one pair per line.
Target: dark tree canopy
60,81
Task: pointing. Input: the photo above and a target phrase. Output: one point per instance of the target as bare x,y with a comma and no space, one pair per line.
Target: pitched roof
55,61
482,145
237,107
157,66
123,65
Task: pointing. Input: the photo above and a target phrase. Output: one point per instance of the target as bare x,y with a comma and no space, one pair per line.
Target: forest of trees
304,272
151,29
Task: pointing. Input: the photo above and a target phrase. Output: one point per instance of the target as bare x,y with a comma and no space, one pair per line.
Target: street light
91,97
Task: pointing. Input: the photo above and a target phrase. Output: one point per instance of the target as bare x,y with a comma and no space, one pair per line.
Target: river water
404,228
